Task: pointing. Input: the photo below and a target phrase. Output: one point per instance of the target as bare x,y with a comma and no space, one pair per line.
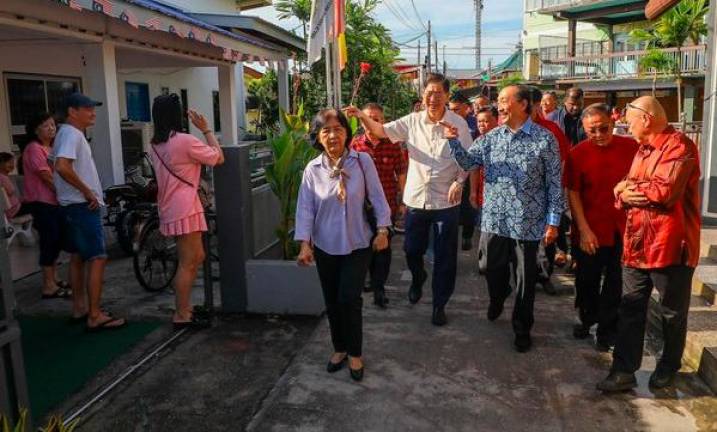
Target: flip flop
77,320
60,293
104,325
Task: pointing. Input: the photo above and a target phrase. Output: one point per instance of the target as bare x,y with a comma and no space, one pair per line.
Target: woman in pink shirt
178,159
39,196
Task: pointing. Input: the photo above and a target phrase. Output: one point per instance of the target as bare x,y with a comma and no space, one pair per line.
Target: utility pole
428,60
418,61
479,13
435,50
444,59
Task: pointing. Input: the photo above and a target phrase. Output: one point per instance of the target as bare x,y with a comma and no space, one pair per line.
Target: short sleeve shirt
594,171
184,154
70,143
431,167
34,162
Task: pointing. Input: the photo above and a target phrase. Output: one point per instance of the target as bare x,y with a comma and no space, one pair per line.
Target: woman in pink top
39,196
177,160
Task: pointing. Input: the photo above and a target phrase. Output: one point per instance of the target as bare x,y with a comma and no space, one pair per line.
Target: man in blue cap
79,192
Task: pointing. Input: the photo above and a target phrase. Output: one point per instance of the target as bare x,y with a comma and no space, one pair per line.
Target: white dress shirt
431,168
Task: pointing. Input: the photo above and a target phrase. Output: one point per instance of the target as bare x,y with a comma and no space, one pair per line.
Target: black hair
459,98
32,125
167,116
5,157
488,109
536,95
373,106
524,94
574,92
551,93
597,108
436,78
320,120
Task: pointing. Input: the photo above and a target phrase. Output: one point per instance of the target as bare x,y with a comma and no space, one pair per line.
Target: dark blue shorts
85,232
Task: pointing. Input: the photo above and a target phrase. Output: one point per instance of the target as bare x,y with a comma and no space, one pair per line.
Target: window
29,95
137,101
215,106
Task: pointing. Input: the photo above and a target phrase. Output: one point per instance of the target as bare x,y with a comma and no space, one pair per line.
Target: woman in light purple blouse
333,229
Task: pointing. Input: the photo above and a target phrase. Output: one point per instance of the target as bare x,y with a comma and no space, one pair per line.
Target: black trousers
597,298
342,278
510,264
468,213
380,267
546,254
50,225
444,225
674,285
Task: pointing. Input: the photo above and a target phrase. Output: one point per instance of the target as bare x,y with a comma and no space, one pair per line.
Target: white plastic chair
17,226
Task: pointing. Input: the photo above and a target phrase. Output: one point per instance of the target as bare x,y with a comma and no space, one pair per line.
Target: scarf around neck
337,171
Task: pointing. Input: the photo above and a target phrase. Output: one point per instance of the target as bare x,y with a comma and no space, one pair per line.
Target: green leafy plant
657,62
684,22
291,152
55,424
19,426
509,80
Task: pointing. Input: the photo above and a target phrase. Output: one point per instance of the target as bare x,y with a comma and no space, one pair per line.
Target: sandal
105,325
60,293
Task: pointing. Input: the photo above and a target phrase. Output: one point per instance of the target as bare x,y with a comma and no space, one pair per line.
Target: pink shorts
189,224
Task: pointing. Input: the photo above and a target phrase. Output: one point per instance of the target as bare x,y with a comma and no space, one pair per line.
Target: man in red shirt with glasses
661,244
593,168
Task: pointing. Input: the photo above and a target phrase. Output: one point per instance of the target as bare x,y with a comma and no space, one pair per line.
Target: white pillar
240,99
282,75
228,103
100,83
709,130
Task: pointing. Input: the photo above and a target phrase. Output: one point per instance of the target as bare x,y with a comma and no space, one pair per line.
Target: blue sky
453,26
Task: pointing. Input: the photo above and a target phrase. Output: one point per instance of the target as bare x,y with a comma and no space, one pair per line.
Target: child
7,165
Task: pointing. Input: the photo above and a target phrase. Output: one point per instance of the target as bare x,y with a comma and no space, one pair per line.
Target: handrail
614,54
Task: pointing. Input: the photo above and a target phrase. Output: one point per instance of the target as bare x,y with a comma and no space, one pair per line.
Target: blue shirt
523,191
336,227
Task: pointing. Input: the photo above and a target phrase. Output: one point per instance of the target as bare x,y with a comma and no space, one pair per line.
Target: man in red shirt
593,168
487,119
549,255
661,244
392,168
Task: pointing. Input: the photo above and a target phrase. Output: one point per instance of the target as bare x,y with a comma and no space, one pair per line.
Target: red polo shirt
593,171
390,163
667,231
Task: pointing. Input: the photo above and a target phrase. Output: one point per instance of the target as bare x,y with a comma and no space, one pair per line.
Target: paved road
467,377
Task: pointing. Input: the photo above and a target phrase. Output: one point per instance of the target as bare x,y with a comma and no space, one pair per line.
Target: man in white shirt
79,192
433,189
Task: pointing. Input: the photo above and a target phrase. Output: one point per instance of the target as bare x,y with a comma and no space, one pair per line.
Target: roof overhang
655,8
257,27
609,12
252,4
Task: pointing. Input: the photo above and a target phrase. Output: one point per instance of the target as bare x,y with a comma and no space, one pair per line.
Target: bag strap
170,170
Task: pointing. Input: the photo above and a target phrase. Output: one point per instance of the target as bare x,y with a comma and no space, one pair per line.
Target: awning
255,26
155,16
655,8
609,12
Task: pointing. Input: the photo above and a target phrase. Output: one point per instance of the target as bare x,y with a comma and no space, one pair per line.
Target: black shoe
332,367
523,343
380,300
617,382
367,288
581,331
467,244
416,291
356,374
549,288
439,316
661,379
494,310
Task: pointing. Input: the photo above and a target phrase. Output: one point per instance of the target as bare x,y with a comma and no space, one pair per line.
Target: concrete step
704,282
701,346
708,242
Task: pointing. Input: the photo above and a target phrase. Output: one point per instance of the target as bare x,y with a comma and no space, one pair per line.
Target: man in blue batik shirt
523,201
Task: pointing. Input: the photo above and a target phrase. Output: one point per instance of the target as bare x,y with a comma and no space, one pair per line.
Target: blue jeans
444,225
85,232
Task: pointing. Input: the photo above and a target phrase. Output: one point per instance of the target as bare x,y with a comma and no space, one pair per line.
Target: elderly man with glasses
661,243
593,168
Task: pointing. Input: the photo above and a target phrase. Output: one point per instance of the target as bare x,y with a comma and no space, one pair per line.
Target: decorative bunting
128,17
153,23
103,6
210,39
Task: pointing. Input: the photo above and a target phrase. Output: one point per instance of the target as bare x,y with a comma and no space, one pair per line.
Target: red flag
153,23
128,17
104,6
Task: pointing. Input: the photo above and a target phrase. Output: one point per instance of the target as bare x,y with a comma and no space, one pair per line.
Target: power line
400,18
418,16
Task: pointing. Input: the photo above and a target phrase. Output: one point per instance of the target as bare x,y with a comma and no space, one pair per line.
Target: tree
684,22
301,9
658,62
514,79
263,94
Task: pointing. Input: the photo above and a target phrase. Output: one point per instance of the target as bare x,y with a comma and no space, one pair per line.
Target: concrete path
467,377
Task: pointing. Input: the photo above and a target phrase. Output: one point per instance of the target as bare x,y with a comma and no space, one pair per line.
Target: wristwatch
382,230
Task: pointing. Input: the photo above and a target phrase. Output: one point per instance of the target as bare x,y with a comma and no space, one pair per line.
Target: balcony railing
617,65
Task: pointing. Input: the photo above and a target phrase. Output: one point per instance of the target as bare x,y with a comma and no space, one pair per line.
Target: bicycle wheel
155,262
124,227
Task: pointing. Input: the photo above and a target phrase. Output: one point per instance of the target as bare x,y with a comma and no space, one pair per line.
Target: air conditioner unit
136,137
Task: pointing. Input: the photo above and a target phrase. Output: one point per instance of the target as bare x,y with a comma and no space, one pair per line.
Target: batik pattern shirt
523,191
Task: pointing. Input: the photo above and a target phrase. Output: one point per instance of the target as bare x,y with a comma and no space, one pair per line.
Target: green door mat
61,357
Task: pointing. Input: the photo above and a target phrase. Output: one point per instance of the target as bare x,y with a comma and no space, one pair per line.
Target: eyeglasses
631,106
602,129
